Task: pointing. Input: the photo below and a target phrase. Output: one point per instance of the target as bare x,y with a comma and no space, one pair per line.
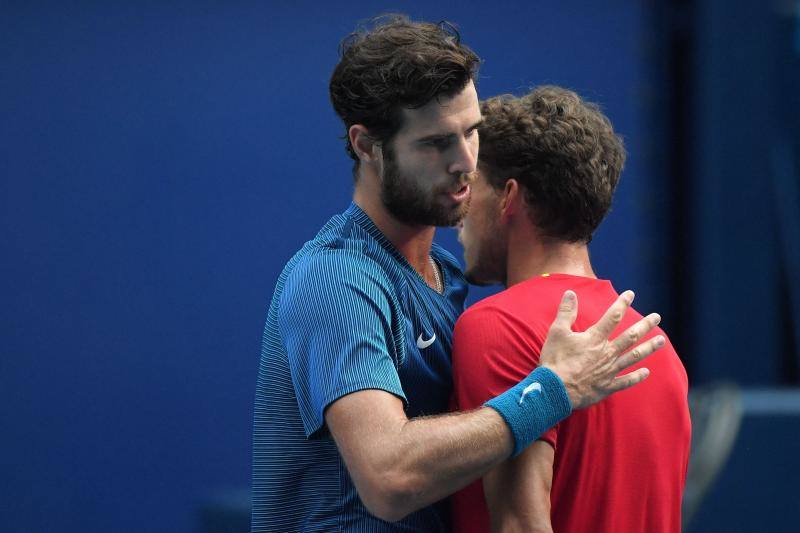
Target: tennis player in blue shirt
350,429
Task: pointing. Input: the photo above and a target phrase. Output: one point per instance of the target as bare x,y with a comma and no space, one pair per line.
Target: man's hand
588,363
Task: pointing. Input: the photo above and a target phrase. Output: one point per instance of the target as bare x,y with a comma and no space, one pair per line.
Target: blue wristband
533,406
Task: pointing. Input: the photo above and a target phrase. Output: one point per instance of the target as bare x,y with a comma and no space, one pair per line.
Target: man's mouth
461,194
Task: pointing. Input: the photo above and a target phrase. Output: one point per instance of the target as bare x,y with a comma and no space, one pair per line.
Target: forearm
400,465
521,512
521,526
432,457
518,491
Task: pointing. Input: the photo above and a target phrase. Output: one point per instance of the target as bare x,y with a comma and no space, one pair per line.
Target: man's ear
365,147
511,199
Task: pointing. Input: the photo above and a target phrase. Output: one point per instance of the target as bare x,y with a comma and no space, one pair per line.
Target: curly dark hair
561,149
395,64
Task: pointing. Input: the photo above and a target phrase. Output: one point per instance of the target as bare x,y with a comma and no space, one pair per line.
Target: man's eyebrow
477,125
442,136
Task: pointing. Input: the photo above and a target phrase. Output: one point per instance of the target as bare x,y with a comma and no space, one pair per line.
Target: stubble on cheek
417,203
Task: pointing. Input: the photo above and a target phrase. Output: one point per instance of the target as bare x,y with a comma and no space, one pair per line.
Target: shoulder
514,319
493,349
477,315
486,325
324,275
346,261
485,329
512,308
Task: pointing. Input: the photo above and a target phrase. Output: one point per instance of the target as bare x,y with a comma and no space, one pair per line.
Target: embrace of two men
360,367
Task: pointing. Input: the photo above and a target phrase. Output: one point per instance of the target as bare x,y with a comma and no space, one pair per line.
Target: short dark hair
561,149
395,64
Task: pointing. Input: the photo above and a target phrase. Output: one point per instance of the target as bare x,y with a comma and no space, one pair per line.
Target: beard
487,265
411,204
483,278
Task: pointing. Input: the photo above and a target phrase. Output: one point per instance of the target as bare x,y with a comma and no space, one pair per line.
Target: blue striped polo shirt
348,313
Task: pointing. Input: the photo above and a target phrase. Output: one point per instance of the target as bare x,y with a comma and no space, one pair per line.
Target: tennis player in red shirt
548,166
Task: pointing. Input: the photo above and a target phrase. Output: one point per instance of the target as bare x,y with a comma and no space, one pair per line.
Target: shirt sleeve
492,352
335,318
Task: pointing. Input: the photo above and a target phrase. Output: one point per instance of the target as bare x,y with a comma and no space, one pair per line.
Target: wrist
568,384
533,406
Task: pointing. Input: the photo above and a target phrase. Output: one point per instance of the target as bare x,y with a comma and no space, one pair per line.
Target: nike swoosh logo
535,386
422,344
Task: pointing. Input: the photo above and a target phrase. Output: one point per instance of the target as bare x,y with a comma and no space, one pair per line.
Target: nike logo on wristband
533,387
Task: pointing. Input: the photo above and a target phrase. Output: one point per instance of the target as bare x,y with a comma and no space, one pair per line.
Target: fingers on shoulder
640,352
613,315
636,332
629,380
567,312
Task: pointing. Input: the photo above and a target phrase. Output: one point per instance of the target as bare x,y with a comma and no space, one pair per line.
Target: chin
452,215
475,278
452,218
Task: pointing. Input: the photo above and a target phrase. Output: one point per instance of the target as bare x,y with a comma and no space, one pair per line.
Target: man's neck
528,258
413,242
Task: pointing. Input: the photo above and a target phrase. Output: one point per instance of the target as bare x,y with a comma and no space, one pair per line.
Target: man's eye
439,144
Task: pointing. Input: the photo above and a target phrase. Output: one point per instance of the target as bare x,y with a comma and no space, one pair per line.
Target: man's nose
465,157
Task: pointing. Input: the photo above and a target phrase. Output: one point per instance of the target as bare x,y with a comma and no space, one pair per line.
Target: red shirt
620,465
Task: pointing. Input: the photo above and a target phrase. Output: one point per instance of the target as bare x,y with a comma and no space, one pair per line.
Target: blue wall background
158,166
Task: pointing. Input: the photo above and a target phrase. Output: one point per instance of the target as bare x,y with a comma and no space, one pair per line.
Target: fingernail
656,318
569,295
660,341
629,296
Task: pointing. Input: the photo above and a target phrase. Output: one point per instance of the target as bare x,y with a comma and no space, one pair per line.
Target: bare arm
518,491
400,465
